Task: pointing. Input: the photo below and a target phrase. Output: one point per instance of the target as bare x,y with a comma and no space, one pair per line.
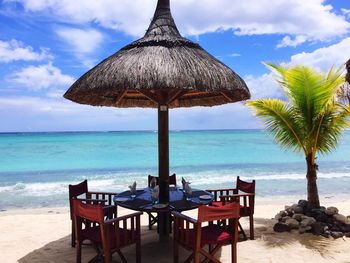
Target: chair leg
176,251
234,253
122,256
149,222
138,251
73,234
242,231
251,226
78,246
196,256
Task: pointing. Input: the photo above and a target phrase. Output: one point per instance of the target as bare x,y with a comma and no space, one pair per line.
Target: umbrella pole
163,168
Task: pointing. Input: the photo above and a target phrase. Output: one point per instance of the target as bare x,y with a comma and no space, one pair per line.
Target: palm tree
311,121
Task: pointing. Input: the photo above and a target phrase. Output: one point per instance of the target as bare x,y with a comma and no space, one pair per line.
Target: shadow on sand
152,251
155,251
319,244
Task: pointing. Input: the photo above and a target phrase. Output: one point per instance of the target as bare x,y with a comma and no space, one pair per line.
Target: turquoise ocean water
36,168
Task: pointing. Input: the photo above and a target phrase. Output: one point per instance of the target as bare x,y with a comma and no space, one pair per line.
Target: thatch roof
347,77
160,68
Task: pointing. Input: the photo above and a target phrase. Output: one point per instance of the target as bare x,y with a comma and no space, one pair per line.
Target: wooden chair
153,219
244,194
78,190
110,233
193,236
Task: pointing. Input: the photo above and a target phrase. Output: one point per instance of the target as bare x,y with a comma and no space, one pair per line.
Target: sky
45,45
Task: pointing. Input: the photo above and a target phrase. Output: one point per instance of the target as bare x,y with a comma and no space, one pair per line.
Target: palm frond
333,122
280,121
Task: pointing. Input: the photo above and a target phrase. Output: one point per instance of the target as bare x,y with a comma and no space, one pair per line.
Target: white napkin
133,188
153,182
155,192
183,181
188,189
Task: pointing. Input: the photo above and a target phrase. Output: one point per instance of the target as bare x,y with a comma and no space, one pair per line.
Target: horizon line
106,131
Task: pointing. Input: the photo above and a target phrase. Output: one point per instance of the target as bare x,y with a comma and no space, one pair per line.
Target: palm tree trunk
311,176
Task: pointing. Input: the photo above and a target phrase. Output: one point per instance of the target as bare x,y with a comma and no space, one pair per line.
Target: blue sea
36,168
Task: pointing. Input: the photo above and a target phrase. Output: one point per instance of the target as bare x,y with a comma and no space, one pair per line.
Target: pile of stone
319,221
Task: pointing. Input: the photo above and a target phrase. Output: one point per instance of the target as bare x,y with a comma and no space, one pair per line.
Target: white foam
227,176
119,182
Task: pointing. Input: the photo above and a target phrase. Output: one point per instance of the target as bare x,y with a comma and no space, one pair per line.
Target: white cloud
228,116
55,93
287,41
346,12
312,19
14,50
264,86
235,55
324,58
29,113
35,104
82,41
40,77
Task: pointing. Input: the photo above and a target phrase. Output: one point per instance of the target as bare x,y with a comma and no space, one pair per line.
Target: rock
303,203
340,218
280,215
292,223
297,217
326,234
347,228
337,234
323,209
308,221
347,234
298,210
335,228
281,227
319,215
284,219
317,228
290,209
331,210
302,230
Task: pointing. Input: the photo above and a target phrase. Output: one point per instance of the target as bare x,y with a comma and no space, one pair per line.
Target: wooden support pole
163,168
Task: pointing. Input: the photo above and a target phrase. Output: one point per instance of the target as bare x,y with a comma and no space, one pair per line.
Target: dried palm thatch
160,68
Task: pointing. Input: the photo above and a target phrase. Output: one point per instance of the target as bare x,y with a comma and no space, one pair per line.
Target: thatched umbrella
161,70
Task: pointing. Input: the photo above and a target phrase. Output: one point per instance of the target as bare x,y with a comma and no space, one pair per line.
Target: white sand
43,235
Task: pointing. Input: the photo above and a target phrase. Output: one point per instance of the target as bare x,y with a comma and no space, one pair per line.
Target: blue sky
47,44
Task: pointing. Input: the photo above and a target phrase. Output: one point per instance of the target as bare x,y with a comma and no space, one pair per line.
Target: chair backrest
76,190
211,213
246,187
172,179
91,212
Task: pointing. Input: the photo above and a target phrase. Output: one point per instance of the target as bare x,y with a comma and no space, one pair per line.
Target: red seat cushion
213,234
94,234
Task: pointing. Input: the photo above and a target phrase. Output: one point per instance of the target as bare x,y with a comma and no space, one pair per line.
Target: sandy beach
43,235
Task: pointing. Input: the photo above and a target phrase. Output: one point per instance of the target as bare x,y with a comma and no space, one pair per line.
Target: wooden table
177,202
